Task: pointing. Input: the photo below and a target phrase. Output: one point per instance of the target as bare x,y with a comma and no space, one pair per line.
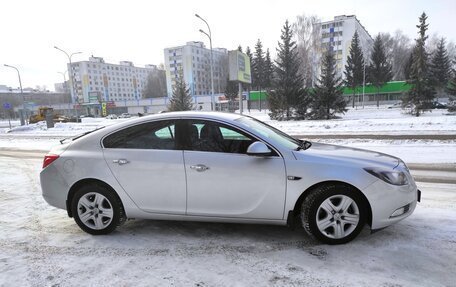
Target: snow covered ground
41,246
368,121
356,121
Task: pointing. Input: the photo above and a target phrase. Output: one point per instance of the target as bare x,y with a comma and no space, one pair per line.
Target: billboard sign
239,64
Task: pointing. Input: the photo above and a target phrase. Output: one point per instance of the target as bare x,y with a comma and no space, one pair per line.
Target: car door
223,181
144,160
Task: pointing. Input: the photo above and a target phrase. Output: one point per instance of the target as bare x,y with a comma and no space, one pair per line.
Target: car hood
336,154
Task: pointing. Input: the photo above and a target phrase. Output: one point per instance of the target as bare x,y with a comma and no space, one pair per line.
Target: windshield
270,132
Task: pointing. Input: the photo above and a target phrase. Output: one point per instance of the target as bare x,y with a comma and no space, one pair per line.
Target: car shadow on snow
239,237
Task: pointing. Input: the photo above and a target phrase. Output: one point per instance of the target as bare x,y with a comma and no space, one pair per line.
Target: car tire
333,213
97,210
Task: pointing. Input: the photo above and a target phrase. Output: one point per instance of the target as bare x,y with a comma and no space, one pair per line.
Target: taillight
48,159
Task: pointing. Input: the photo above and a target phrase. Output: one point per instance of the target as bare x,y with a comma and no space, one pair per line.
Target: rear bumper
391,204
54,187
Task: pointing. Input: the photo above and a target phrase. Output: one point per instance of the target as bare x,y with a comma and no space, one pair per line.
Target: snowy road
41,246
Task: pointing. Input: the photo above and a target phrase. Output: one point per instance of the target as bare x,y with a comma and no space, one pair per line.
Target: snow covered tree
155,84
354,68
441,66
308,34
327,98
288,99
422,91
379,70
397,50
181,99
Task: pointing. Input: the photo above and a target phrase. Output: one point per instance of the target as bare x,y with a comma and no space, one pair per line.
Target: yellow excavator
41,116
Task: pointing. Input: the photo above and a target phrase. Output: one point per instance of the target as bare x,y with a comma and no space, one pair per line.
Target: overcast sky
138,31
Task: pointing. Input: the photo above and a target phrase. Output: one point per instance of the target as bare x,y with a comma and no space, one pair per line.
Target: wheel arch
296,209
83,182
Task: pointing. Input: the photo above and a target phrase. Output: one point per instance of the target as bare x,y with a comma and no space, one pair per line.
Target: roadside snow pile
368,121
59,129
356,121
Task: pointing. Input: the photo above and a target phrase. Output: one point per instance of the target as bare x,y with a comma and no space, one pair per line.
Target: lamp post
70,77
212,60
70,74
64,80
22,94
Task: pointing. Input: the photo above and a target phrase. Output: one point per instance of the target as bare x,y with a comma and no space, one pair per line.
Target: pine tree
354,68
181,99
451,89
249,54
231,92
327,97
288,99
422,92
240,48
408,66
441,66
379,70
269,70
258,66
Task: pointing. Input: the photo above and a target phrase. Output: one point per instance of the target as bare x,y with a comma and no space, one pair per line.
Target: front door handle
120,161
199,167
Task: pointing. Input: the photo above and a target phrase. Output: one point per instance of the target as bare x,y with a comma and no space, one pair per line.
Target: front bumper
391,204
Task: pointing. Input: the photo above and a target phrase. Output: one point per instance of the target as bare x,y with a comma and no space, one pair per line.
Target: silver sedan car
222,167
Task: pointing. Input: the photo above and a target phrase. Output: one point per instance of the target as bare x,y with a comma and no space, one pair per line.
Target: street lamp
22,94
70,74
212,60
64,80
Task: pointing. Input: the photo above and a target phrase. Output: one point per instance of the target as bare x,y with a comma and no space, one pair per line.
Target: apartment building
95,81
338,33
194,60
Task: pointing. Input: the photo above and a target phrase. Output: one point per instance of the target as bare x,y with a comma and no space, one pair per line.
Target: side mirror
258,149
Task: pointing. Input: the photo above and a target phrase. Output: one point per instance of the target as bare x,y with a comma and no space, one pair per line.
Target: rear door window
153,135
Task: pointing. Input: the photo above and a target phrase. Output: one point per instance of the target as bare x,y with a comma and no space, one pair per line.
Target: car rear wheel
333,213
97,210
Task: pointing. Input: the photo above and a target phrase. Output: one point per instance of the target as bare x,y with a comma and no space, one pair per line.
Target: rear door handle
120,161
199,167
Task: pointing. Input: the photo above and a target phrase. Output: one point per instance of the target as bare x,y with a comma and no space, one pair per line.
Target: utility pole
23,121
212,59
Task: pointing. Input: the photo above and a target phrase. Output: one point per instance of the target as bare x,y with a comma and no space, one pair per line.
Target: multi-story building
95,81
337,34
194,60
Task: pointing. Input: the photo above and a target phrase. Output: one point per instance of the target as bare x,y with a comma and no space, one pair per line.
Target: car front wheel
333,213
97,210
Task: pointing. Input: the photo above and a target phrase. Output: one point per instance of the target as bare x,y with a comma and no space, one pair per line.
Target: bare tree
307,31
401,48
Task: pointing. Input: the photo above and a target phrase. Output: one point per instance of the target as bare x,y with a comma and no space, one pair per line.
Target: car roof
193,114
171,115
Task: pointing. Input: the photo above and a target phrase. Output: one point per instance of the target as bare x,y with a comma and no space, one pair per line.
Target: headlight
392,177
